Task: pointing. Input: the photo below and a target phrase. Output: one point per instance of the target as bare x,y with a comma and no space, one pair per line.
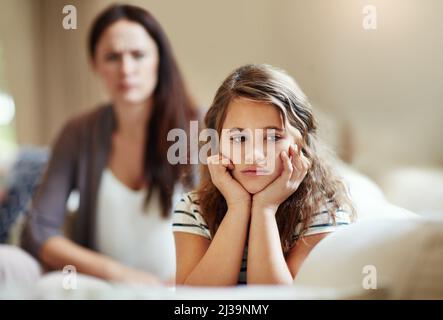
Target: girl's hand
235,195
295,167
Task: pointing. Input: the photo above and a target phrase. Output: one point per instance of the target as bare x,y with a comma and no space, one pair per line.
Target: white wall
382,87
19,26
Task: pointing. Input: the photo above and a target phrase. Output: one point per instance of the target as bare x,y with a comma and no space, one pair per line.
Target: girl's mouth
255,171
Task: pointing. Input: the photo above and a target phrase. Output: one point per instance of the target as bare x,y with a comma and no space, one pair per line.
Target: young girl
247,223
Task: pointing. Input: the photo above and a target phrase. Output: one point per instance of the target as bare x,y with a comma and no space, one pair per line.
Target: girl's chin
254,188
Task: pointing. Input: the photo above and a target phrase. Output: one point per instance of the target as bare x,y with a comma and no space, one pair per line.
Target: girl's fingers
296,159
211,159
306,163
226,162
220,159
300,162
218,165
287,166
296,163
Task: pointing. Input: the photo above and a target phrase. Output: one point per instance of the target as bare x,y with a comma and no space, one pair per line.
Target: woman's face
254,150
127,60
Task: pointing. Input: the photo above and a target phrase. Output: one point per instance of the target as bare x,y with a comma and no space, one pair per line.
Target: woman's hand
124,274
295,167
233,192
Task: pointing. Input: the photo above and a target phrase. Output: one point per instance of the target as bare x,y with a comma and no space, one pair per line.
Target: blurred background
377,93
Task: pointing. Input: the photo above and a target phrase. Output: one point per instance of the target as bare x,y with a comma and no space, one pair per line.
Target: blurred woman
115,156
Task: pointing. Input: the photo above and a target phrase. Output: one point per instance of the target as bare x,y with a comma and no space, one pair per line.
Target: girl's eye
273,138
238,139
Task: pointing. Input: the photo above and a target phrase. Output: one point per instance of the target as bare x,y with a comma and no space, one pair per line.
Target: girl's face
127,60
254,150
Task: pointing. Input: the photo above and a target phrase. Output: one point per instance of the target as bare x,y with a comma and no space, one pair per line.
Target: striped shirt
187,218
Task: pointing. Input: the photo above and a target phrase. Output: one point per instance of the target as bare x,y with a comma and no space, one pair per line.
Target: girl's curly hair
320,187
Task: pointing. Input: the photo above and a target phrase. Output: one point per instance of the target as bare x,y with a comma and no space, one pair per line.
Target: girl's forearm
220,266
266,262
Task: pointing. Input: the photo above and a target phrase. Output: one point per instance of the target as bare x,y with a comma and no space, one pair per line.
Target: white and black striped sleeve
187,217
322,222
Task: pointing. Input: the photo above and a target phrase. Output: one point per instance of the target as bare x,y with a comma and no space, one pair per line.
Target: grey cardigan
79,155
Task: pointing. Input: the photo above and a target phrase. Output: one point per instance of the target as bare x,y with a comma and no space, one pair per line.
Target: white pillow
368,198
406,255
418,188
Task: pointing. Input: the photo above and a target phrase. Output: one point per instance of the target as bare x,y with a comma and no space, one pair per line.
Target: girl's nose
255,153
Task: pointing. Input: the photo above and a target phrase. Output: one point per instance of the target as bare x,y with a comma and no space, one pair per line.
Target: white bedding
51,287
406,250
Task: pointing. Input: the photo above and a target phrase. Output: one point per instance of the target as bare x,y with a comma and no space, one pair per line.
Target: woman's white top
127,232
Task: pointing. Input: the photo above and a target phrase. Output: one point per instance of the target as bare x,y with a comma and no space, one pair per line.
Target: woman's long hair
173,107
320,187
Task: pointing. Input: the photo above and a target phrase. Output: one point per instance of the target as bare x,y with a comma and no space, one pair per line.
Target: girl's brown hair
321,187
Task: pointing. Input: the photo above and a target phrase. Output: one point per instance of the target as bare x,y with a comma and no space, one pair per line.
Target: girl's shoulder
190,198
187,216
324,221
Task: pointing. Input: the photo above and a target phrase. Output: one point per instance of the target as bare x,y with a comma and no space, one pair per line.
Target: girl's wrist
239,208
243,205
240,203
265,208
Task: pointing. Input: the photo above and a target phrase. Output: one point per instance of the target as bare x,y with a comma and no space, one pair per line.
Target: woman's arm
202,262
266,262
58,252
46,214
42,235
